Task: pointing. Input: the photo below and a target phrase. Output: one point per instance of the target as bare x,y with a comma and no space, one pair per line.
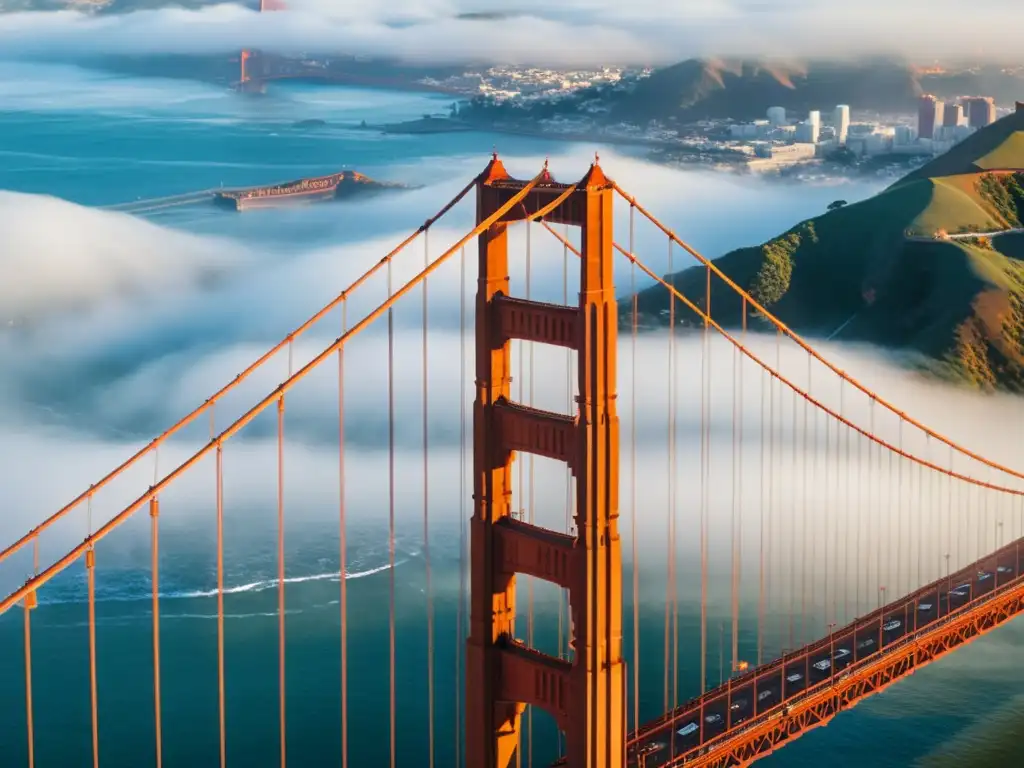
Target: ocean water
90,384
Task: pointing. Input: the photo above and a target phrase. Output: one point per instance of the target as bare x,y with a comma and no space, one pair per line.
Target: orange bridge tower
585,695
246,81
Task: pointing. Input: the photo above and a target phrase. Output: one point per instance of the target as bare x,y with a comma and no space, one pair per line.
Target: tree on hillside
837,205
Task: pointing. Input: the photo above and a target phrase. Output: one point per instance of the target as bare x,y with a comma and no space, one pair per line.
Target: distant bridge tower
585,695
246,81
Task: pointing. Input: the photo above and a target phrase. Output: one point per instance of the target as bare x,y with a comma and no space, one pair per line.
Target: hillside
698,89
886,264
1000,147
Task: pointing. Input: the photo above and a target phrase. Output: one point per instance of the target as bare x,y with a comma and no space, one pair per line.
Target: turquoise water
96,140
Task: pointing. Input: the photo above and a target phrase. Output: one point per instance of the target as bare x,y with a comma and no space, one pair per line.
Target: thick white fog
582,32
123,340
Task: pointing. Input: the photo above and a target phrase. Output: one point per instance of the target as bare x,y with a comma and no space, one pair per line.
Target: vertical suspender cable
90,569
673,488
529,588
30,603
220,603
282,691
670,539
154,525
426,523
563,604
520,500
343,541
705,413
632,474
761,532
460,608
391,518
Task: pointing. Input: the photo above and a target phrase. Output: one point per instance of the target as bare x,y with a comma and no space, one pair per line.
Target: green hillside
887,264
1000,147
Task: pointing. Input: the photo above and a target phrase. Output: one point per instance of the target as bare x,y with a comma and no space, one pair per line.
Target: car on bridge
688,729
962,591
891,625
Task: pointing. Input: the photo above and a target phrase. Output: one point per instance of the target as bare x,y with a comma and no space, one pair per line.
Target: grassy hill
959,302
698,88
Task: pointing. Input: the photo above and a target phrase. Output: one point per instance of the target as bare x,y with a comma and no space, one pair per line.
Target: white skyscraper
842,123
814,120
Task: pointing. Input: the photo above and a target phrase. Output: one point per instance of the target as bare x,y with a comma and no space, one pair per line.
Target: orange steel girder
586,696
822,704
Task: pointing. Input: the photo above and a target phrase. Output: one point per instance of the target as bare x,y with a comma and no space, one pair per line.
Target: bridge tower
246,82
585,695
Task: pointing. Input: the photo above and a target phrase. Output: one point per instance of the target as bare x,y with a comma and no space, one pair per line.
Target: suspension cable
282,690
220,604
530,504
426,523
461,607
154,516
391,519
90,570
705,418
632,483
30,602
343,542
210,402
807,347
673,576
117,520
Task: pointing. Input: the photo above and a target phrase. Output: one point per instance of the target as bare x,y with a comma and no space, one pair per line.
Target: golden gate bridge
841,605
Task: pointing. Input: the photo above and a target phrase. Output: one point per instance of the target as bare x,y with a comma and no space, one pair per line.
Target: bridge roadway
772,690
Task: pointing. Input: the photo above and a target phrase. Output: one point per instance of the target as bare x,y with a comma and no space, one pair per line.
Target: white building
777,116
841,119
904,135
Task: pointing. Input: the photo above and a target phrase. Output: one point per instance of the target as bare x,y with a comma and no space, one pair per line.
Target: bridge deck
751,714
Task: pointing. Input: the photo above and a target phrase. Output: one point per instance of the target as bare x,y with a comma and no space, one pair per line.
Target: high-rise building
814,120
842,123
953,116
981,111
929,116
777,116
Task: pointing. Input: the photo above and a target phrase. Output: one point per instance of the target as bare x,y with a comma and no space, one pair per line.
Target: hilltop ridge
904,269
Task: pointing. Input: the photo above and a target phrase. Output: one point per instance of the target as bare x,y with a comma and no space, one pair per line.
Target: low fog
581,32
102,364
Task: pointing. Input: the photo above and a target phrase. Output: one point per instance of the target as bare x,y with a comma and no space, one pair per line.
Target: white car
763,695
924,606
962,591
841,653
738,704
1004,569
686,730
892,624
712,719
865,643
794,678
822,665
984,575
